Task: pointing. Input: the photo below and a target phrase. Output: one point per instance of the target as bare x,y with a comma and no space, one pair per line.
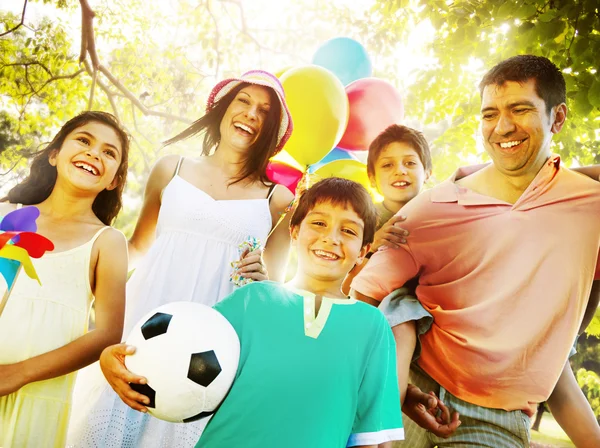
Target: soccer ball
189,354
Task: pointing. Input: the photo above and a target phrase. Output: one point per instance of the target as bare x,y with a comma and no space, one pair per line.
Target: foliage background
164,56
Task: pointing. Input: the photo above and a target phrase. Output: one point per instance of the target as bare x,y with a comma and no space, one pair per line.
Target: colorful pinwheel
19,242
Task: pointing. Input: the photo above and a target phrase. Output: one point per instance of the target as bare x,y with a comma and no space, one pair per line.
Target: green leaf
526,11
580,46
548,16
594,93
582,104
506,10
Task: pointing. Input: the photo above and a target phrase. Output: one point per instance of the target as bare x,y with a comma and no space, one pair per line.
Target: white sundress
197,239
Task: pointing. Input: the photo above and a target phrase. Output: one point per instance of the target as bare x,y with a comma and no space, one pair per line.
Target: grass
551,434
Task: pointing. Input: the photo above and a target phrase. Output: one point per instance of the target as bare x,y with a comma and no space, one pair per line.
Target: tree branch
88,46
115,82
52,78
214,19
91,99
246,31
88,41
26,64
20,24
109,94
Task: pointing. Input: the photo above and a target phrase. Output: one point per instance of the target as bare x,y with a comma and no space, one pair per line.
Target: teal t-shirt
304,380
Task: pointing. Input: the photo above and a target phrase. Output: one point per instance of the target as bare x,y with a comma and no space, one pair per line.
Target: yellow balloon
319,107
284,157
281,71
348,169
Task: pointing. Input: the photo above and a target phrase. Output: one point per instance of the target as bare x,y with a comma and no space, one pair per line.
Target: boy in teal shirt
317,369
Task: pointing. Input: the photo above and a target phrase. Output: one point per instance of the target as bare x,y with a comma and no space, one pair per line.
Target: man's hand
112,363
424,408
390,234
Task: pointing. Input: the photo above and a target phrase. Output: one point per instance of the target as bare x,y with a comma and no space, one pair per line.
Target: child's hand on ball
113,366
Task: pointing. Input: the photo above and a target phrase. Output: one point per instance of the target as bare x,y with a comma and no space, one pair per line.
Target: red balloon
284,174
374,105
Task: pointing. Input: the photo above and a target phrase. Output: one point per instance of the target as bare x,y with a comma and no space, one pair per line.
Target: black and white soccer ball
189,353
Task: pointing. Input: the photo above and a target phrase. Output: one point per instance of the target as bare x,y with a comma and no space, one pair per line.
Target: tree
469,37
151,83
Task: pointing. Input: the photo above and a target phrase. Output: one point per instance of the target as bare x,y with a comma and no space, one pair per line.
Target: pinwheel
18,243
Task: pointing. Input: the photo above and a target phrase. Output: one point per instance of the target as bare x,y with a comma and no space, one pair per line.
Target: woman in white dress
195,215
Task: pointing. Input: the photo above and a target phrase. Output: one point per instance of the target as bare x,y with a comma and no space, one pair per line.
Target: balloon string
302,186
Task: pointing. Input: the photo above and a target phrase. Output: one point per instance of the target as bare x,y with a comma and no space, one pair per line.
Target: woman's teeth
243,127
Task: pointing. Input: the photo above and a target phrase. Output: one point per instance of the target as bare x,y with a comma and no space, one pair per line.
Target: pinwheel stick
6,295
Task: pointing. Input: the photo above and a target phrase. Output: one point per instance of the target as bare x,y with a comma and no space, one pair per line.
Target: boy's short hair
549,81
400,134
341,192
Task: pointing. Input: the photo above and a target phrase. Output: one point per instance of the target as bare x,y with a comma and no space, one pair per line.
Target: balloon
284,174
374,105
281,71
361,156
334,154
284,157
319,107
348,169
345,57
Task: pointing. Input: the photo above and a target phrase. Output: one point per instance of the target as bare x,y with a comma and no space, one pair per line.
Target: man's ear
52,157
559,115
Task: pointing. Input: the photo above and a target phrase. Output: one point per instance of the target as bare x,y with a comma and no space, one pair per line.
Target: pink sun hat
261,78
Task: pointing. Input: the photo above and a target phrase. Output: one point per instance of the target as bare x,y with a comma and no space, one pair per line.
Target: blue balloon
334,154
346,58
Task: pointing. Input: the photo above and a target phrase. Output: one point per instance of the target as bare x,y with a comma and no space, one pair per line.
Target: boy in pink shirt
507,295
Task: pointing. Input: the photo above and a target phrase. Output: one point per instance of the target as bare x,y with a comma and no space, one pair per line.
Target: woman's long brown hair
255,162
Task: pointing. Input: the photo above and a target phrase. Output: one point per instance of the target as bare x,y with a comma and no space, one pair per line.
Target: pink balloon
284,174
374,105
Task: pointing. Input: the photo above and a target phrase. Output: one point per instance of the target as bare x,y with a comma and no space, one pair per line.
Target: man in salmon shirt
506,254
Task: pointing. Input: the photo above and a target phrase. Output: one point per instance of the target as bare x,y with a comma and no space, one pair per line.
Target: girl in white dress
200,211
76,183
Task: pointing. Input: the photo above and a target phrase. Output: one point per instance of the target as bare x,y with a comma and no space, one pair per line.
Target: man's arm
358,296
572,411
592,306
592,171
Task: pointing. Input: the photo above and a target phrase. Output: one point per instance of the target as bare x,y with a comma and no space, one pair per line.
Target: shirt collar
449,191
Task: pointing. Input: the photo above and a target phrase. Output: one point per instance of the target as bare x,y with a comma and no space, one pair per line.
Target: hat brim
264,79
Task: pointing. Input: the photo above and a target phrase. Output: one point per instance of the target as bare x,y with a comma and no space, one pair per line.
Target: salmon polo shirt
507,284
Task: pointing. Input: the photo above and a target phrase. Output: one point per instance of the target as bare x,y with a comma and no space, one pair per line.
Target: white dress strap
272,191
97,234
19,205
178,166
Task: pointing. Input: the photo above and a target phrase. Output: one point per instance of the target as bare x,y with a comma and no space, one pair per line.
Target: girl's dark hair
257,158
42,176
